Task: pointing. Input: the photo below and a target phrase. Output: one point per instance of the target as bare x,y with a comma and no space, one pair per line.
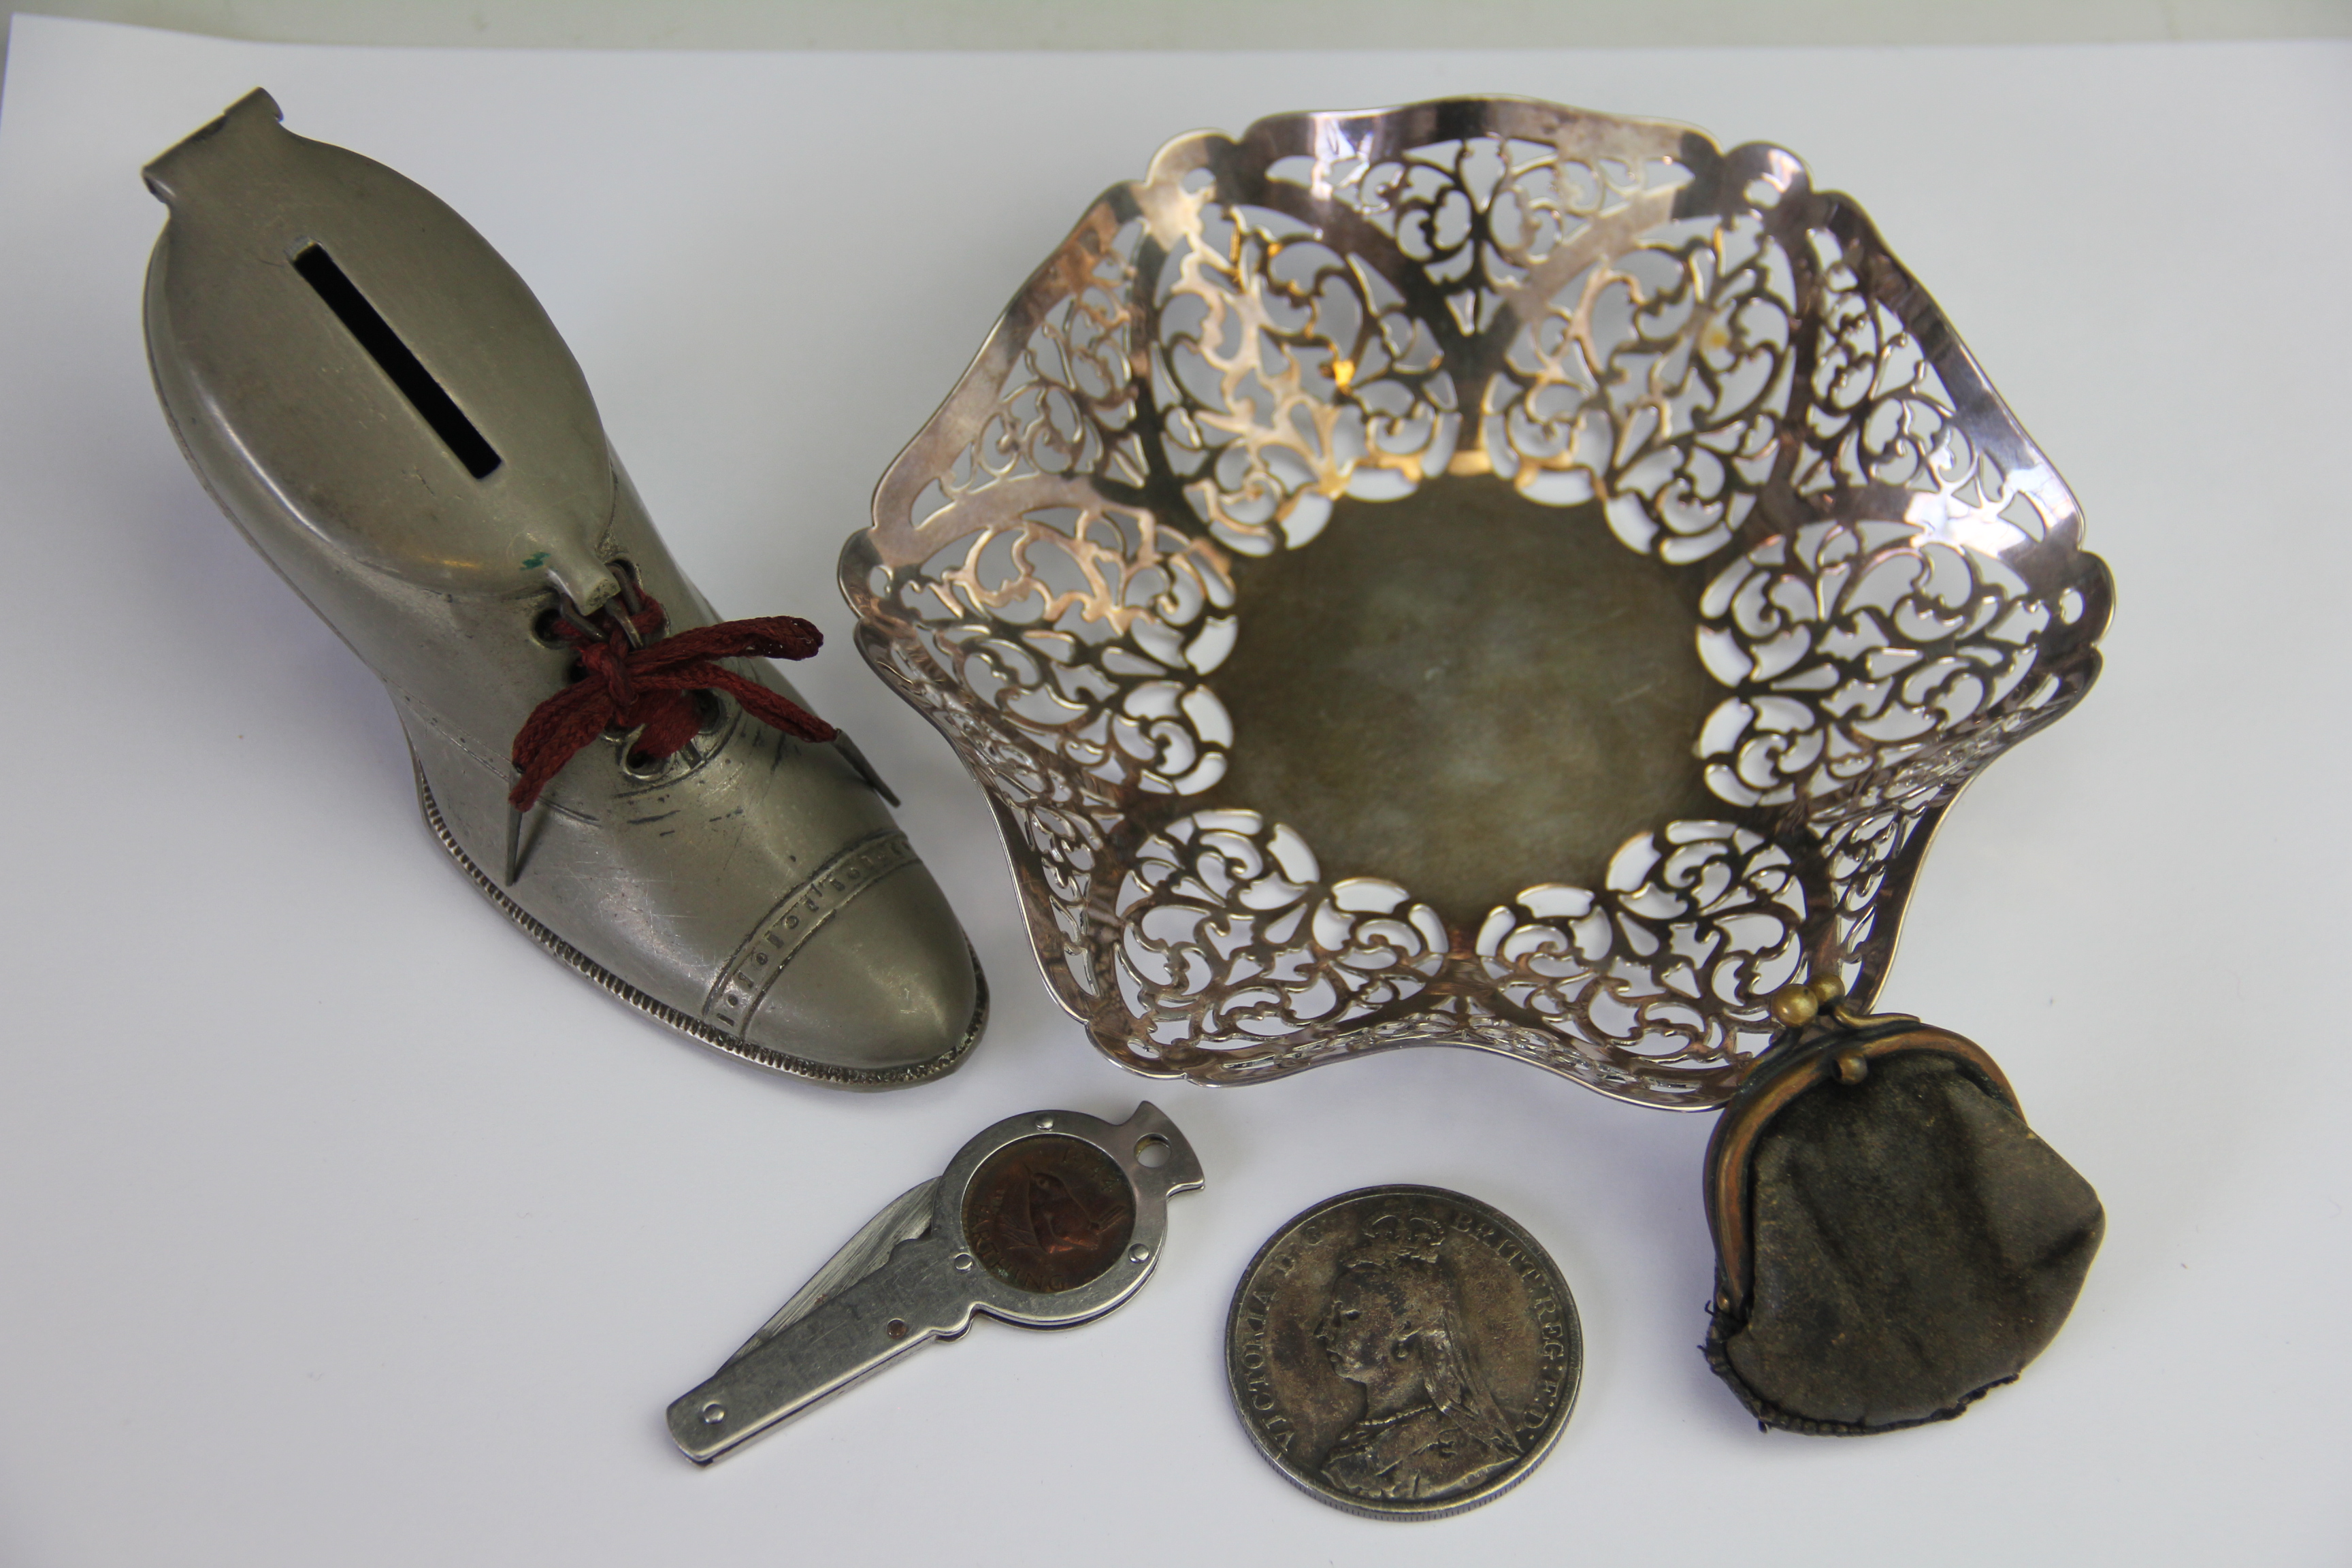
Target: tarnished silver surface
436,492
1403,1352
1046,1219
1847,579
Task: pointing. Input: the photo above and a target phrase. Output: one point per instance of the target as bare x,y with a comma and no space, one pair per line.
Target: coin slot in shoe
395,359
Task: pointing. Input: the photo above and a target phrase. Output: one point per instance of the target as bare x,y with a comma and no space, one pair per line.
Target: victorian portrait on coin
1429,1429
1402,1351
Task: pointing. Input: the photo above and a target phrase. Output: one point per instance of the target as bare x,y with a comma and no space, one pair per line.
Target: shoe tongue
580,576
330,329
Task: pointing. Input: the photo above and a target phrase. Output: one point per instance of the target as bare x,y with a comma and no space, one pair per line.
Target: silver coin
1403,1352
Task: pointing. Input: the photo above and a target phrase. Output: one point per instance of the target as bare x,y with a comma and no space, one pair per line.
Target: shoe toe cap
887,989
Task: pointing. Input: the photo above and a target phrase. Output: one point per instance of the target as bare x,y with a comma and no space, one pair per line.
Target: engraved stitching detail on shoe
753,972
685,1023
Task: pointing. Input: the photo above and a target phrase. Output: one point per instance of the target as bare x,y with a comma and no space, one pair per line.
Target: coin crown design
1395,1239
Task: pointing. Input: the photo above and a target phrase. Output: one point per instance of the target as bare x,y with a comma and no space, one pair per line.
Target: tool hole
1154,1152
395,359
896,1328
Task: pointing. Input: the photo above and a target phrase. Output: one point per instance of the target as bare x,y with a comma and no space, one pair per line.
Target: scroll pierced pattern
1846,659
1659,380
1066,405
1228,932
1889,586
1480,214
1091,631
1697,924
1288,375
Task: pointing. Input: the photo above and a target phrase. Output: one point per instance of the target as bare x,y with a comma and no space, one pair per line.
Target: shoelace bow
624,686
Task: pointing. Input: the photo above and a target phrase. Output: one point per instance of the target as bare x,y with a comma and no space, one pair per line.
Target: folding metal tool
1046,1219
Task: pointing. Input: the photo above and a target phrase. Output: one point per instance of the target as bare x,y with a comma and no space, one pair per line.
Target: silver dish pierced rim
1595,309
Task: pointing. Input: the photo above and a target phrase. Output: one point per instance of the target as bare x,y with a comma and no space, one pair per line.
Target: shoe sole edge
686,1023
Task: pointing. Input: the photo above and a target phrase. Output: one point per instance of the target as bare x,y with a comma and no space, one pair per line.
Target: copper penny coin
1403,1352
1048,1214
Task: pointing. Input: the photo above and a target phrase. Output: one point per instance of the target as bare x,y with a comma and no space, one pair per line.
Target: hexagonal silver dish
1480,574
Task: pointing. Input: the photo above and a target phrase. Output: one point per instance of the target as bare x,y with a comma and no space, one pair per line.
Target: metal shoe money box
379,405
1480,574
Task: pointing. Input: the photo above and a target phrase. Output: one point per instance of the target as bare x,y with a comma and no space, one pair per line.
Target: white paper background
337,1225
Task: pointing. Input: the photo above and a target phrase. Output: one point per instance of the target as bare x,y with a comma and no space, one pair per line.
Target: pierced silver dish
1481,573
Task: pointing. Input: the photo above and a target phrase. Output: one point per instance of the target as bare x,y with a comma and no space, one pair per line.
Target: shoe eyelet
645,770
624,572
635,764
714,716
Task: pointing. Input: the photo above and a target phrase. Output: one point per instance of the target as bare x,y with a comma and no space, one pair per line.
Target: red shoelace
623,686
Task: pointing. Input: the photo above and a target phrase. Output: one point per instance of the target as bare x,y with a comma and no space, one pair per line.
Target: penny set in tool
1046,1220
1478,573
